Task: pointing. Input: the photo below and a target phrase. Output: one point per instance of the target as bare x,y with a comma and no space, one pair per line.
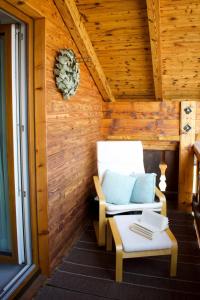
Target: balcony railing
196,198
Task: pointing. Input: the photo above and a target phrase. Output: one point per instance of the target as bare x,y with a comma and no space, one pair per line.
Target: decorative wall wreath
67,72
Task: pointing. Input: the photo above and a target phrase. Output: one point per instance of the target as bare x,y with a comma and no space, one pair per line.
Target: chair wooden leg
164,209
174,253
119,265
108,238
102,234
102,225
173,265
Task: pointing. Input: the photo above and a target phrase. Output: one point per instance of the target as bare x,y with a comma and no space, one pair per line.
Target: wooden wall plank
186,156
153,12
12,7
40,134
31,141
72,19
149,142
27,7
147,121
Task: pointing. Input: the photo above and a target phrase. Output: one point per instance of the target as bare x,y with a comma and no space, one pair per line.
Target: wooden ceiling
119,34
138,49
180,41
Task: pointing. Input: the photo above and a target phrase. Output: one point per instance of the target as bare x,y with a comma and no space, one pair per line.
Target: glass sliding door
15,237
15,217
5,230
8,229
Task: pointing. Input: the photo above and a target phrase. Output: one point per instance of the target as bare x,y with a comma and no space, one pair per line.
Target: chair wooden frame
100,225
113,232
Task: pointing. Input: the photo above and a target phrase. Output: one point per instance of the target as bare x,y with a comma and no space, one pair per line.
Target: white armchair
124,157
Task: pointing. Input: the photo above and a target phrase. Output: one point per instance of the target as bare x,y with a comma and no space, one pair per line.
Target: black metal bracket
187,127
188,110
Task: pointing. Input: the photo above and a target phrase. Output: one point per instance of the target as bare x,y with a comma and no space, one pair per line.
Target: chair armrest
162,199
99,190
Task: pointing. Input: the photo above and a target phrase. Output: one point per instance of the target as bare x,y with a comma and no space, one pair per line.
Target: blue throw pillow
117,188
144,188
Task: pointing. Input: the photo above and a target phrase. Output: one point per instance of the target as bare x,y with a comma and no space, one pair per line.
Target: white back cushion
123,157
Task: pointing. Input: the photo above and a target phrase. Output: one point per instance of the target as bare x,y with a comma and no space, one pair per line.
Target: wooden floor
87,273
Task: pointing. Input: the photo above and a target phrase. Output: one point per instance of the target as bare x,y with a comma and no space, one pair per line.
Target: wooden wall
150,121
73,127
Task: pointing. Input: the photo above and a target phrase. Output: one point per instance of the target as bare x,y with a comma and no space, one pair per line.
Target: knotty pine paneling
180,44
73,127
155,123
142,120
120,36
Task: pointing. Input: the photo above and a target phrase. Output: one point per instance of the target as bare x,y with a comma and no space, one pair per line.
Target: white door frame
20,142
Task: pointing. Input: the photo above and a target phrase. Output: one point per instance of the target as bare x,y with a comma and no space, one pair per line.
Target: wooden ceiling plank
73,21
120,37
153,12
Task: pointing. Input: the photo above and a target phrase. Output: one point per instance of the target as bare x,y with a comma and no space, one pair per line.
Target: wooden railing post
163,167
186,157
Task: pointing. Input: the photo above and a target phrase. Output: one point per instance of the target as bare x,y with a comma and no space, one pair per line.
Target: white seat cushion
112,209
134,242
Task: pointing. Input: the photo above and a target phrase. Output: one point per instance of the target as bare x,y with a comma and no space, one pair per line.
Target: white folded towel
149,224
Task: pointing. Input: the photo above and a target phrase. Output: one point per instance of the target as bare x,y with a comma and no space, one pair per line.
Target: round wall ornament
67,72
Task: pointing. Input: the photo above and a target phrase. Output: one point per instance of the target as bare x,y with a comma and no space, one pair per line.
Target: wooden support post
186,156
153,12
40,137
